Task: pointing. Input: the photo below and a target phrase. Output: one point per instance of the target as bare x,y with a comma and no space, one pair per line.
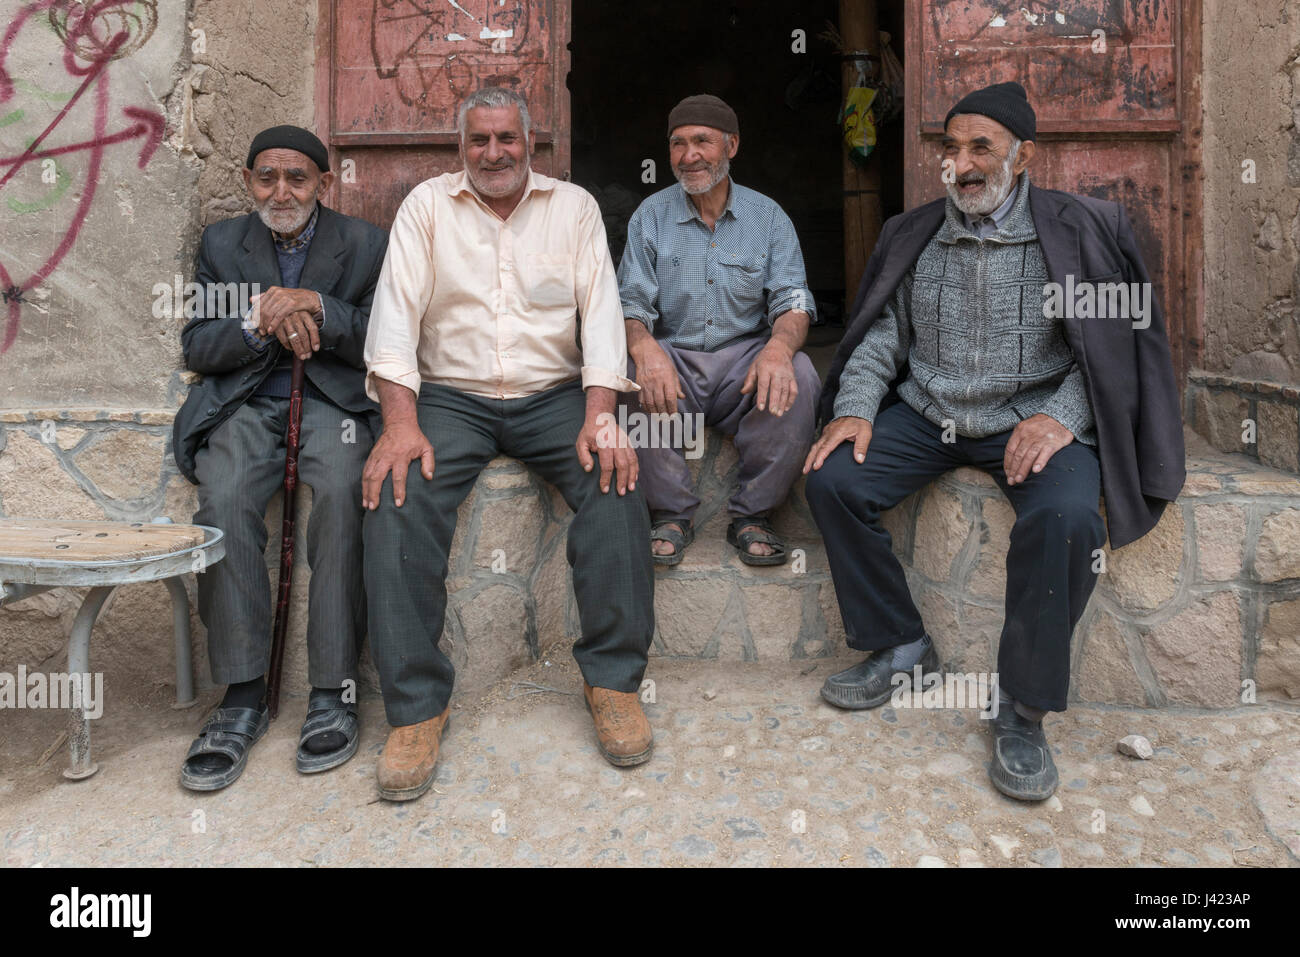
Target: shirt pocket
743,274
548,280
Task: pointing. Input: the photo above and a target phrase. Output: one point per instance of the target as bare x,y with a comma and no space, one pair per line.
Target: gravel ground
750,768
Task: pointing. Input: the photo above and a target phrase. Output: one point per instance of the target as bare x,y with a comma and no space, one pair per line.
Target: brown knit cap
703,109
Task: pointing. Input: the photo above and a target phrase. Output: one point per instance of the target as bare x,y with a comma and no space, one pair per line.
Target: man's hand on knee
657,377
399,445
600,434
1032,444
771,379
846,428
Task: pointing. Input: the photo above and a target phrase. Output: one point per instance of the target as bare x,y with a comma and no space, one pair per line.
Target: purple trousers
771,449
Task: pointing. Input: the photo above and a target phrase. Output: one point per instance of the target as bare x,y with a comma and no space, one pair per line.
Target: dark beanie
703,110
1004,102
290,138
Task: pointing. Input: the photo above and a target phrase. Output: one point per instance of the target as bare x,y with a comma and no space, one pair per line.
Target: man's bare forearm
600,400
396,402
637,336
791,330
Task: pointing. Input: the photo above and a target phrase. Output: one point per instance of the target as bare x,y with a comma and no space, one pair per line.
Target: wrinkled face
495,151
983,161
285,186
701,157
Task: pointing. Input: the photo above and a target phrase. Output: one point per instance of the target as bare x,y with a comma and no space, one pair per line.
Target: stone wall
1259,419
1209,600
510,596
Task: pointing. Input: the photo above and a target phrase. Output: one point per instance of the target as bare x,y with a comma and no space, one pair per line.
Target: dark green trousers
406,548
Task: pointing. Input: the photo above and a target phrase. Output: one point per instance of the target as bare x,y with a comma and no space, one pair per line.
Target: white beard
997,187
717,175
521,174
279,221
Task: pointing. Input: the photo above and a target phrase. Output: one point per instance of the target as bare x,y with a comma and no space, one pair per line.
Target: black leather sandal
664,532
230,732
767,536
326,712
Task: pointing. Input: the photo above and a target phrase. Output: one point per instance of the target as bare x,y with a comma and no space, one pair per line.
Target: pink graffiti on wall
93,34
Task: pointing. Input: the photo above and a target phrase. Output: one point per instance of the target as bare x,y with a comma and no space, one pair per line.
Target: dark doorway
632,62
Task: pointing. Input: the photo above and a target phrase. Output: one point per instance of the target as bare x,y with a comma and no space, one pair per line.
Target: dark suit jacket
342,264
1129,373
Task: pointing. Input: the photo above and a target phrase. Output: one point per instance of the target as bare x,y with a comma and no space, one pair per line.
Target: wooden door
390,75
1118,117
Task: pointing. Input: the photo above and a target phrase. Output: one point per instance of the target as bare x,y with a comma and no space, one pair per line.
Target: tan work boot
622,731
406,768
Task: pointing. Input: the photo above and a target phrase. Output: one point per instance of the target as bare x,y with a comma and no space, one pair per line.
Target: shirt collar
288,244
686,210
999,214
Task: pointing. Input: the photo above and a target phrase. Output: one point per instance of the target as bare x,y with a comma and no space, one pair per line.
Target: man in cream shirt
496,329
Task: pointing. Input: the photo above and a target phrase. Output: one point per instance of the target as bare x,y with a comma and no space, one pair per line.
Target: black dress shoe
1022,765
870,683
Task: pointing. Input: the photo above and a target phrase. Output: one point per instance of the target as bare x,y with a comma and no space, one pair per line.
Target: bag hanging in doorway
857,120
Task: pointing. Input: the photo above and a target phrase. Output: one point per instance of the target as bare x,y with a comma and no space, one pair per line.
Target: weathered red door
391,73
1117,115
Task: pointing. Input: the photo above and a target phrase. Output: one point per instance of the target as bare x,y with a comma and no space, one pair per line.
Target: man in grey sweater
986,377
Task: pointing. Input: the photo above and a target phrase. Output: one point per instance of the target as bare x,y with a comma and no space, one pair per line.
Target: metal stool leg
181,629
79,664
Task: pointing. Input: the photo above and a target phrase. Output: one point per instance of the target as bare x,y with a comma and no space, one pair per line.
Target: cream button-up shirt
492,307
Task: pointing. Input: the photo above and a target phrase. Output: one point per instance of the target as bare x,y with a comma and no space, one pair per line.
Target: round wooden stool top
51,540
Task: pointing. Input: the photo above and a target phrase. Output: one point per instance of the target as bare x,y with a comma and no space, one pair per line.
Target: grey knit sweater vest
982,354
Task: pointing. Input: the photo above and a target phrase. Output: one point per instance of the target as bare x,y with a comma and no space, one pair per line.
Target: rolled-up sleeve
638,283
787,280
604,340
401,297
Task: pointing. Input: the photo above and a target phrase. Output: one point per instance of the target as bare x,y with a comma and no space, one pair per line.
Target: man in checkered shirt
717,308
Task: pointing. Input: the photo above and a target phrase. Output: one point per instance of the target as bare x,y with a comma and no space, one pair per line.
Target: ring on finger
293,335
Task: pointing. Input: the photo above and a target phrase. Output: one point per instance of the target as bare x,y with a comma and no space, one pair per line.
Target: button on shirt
497,308
700,289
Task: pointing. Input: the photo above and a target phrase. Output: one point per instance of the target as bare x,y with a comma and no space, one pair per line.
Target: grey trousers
239,470
771,449
406,548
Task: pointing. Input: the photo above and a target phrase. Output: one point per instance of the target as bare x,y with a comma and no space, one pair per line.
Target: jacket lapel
913,236
322,269
257,260
1059,241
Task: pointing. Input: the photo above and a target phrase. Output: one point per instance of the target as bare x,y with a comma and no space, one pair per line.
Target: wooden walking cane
286,539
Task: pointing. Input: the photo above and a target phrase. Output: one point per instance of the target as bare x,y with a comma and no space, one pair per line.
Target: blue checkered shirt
700,290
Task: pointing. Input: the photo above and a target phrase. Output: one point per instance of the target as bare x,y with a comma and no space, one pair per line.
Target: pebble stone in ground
760,773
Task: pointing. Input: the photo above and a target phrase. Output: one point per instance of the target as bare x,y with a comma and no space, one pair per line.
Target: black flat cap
290,138
1005,102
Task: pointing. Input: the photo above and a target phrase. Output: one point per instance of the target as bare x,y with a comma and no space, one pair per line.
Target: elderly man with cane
312,273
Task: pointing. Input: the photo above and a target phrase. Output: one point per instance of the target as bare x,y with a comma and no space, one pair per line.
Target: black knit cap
290,138
703,109
1005,102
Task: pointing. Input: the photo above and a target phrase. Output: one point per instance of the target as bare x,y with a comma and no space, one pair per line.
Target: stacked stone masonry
1257,419
1200,612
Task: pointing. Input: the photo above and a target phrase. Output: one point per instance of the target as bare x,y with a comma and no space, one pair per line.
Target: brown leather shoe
622,731
406,768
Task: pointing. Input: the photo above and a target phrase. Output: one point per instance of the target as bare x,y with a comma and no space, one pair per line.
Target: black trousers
1049,563
406,548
